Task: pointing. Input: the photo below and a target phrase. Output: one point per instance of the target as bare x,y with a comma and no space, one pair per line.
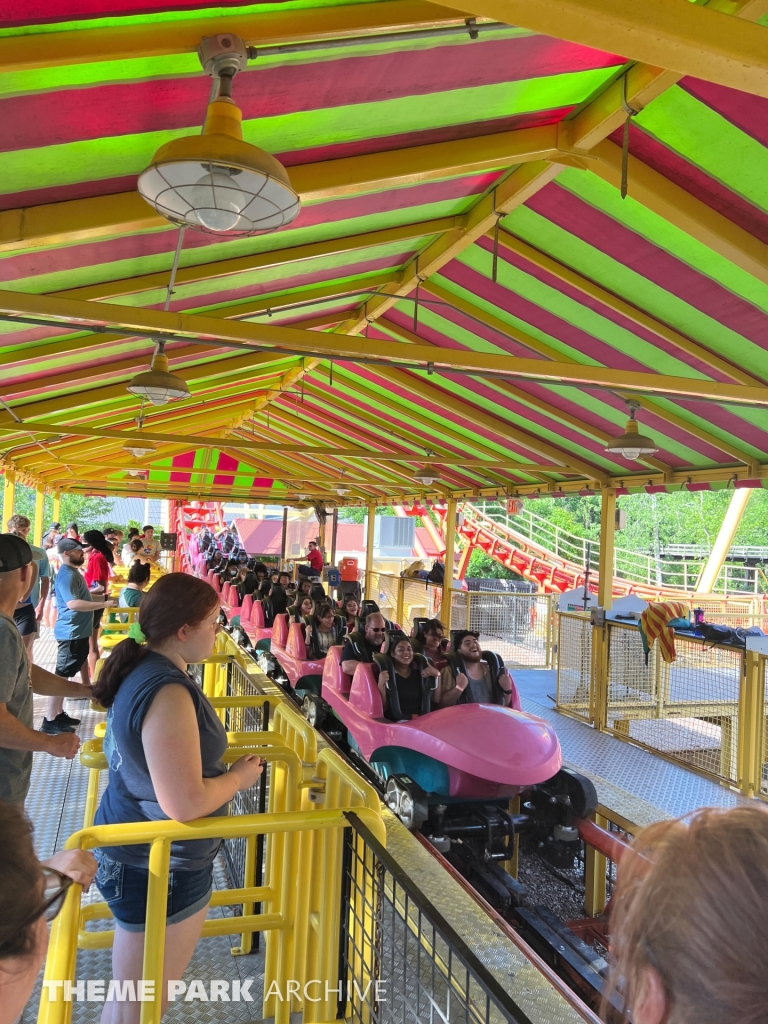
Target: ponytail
176,600
124,658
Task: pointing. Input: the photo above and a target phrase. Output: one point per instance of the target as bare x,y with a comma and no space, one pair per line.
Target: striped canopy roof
464,289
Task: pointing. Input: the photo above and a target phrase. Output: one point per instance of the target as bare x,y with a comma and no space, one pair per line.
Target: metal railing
705,710
401,960
638,567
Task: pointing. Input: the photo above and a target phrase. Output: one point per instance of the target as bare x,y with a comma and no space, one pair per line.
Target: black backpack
715,633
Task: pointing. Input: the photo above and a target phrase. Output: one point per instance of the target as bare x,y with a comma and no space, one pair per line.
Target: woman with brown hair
164,745
689,925
31,894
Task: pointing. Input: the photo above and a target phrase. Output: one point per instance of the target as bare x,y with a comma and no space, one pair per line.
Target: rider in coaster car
302,609
303,587
324,629
246,582
473,676
367,608
317,593
406,681
431,642
361,645
350,609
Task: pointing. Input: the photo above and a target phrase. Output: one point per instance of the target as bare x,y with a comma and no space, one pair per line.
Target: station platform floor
634,786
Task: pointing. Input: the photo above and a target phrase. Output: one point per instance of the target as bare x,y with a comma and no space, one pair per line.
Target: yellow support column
751,724
369,536
450,559
723,541
600,666
9,496
37,530
595,865
56,515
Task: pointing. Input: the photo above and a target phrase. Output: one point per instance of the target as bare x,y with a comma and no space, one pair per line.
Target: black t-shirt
409,694
361,651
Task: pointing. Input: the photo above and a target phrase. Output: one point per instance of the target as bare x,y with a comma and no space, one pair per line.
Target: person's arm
14,735
45,586
171,740
79,605
33,574
381,682
449,690
46,684
507,686
79,865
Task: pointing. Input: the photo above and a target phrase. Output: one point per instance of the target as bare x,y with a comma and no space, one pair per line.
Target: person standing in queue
151,547
407,681
18,681
360,647
98,570
476,684
31,895
164,745
689,921
30,611
73,629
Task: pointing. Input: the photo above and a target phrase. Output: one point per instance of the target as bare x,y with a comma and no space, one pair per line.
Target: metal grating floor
635,784
55,806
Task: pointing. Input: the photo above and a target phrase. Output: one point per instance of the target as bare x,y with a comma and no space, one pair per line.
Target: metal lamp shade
631,444
218,183
158,385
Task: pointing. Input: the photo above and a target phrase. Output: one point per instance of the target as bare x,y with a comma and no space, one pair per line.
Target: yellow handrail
292,898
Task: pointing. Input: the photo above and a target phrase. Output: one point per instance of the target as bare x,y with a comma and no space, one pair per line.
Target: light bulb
631,453
217,202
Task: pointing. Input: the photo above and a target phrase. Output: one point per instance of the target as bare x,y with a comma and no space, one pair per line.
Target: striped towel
654,626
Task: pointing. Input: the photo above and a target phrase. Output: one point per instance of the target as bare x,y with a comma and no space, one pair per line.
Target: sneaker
67,720
53,728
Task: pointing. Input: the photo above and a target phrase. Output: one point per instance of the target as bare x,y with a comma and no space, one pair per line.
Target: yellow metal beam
260,261
126,213
37,528
675,34
680,208
450,563
182,34
726,533
286,341
512,192
9,497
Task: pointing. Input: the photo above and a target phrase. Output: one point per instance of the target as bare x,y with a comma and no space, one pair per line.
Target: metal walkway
634,786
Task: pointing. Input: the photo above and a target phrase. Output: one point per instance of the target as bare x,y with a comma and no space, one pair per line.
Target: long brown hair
692,904
176,600
21,896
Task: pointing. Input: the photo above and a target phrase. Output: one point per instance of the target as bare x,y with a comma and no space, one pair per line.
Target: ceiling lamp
216,182
157,384
632,444
342,490
139,449
424,477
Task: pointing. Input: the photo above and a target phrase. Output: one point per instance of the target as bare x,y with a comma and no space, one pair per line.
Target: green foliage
482,566
357,513
86,512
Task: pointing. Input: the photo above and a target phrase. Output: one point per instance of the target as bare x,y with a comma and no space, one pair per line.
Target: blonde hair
692,903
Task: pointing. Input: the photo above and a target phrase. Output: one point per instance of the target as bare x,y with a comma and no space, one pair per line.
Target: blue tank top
130,795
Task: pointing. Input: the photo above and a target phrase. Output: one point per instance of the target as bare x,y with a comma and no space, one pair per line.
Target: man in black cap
18,680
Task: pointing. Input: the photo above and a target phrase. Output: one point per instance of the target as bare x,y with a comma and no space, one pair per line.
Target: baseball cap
14,552
67,544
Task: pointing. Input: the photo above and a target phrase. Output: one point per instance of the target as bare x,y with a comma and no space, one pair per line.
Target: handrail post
450,558
369,540
751,724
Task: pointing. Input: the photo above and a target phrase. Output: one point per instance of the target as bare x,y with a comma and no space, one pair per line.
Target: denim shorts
124,888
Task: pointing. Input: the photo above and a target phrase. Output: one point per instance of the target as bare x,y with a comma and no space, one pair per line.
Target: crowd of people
686,895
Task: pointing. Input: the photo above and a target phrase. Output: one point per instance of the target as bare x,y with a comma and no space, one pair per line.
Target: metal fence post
595,867
751,724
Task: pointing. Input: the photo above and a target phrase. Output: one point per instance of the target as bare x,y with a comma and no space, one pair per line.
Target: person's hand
110,602
66,744
247,770
430,670
39,611
308,630
383,678
385,645
79,865
461,682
